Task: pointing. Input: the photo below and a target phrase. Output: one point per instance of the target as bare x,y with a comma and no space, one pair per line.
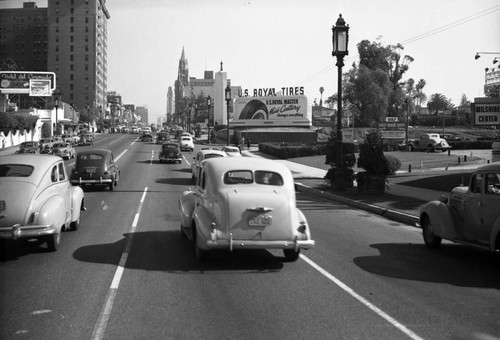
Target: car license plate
170,154
260,221
90,170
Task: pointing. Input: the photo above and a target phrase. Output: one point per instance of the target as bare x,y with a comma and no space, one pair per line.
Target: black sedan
170,152
95,167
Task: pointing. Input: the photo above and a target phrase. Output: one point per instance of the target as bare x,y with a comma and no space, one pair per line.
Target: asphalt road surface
127,273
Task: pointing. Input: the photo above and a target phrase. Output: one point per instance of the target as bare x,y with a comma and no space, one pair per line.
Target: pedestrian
248,142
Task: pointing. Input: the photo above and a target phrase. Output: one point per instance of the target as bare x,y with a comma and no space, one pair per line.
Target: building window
71,77
71,67
71,29
86,20
86,48
86,57
71,87
71,38
70,57
71,48
72,19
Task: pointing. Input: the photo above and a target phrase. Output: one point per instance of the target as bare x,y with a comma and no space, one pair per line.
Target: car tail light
32,218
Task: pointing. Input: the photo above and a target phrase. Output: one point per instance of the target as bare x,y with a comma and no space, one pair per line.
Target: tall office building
24,36
78,52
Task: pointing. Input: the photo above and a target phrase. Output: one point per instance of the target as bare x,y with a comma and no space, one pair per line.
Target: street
127,273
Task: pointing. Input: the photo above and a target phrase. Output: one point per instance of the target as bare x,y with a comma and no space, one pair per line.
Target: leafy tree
438,102
368,92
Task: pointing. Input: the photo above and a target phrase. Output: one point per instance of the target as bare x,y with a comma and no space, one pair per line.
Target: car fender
441,217
50,212
303,222
203,220
77,204
495,236
186,207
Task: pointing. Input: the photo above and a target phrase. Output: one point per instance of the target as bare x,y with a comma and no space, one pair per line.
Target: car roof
223,164
490,167
212,151
40,163
102,152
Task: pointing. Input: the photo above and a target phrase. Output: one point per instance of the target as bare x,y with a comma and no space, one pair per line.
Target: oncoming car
29,147
36,199
249,204
201,156
470,215
64,150
95,167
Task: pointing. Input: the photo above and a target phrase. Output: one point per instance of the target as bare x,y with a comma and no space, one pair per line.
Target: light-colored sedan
201,155
64,150
249,204
470,215
186,143
232,151
37,199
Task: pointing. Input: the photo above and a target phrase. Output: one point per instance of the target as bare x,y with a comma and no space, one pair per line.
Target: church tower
182,81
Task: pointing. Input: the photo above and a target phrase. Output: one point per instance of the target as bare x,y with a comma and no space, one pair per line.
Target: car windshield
27,144
60,145
15,170
186,138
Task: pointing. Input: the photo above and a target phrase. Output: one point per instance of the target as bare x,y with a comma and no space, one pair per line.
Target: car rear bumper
18,231
260,244
91,181
170,159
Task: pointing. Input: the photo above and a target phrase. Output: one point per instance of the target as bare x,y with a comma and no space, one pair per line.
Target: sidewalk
400,202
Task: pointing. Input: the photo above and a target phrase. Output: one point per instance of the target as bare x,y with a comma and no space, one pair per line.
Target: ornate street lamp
209,104
228,100
56,94
340,38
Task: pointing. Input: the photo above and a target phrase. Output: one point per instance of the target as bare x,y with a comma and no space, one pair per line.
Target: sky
288,43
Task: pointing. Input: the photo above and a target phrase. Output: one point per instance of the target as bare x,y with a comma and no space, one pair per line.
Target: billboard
271,111
19,82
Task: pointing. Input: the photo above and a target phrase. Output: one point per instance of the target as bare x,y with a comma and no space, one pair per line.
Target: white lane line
361,299
101,323
120,155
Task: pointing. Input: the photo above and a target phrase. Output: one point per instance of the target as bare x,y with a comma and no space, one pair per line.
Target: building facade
78,51
24,36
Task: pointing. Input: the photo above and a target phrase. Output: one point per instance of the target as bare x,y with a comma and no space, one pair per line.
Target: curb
394,215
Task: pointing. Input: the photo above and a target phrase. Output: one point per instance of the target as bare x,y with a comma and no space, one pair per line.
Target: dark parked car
170,152
28,147
95,167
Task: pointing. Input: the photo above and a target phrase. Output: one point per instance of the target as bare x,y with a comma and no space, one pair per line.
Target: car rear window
90,157
15,170
268,178
238,177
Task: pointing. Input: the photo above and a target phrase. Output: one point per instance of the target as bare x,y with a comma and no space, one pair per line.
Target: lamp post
228,99
209,103
340,38
57,98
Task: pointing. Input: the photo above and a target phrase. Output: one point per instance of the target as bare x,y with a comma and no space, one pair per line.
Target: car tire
291,255
431,241
75,224
201,255
53,241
